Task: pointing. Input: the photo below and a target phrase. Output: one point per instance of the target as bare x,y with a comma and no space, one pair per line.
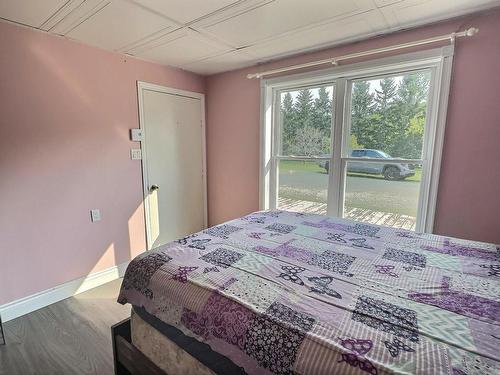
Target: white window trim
440,62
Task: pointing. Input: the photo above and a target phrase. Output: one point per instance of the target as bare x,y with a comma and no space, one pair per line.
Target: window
305,131
387,119
361,142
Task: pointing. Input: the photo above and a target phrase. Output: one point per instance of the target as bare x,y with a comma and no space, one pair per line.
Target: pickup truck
390,171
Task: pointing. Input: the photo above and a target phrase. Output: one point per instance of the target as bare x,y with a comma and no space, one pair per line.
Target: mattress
289,293
174,352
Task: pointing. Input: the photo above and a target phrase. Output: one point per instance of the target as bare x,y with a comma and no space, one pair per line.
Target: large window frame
438,61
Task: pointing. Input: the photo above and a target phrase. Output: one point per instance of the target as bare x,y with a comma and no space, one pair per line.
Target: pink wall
469,199
65,113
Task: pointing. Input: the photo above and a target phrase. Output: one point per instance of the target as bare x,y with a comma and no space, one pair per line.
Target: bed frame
127,359
2,333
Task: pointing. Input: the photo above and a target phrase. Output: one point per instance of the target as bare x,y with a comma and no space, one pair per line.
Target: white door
173,163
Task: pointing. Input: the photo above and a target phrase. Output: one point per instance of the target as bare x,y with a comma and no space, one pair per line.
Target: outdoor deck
358,214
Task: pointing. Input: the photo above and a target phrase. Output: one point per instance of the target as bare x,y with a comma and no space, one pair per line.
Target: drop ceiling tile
221,63
234,10
78,14
179,48
281,16
119,24
317,37
408,13
227,34
29,12
184,11
62,13
384,3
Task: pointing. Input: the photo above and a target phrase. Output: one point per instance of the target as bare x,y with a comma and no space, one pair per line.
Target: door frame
141,88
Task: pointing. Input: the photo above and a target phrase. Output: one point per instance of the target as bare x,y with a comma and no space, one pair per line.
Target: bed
278,292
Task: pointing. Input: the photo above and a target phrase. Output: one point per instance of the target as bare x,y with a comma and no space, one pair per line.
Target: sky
374,85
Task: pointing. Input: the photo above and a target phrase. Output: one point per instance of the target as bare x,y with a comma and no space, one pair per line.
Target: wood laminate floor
69,337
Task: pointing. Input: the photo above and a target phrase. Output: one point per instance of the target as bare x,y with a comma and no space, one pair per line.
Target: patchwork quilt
289,293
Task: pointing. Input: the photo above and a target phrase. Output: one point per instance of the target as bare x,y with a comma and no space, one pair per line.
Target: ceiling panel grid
211,36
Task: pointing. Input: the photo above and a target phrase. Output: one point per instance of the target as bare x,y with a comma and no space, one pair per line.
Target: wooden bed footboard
127,359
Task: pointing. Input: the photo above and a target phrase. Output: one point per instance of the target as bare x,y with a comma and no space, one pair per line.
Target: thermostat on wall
136,135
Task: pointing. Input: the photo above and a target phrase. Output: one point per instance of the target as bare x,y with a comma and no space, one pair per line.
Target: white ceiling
211,36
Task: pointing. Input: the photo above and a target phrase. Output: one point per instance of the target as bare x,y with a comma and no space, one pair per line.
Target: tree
381,129
410,112
413,137
308,142
362,110
309,132
303,108
362,100
322,112
288,122
353,143
390,118
385,96
372,114
412,92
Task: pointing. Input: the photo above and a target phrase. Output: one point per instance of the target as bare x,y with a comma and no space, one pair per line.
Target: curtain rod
335,60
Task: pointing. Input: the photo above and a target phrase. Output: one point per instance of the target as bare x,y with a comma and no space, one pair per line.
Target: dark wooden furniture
127,359
2,333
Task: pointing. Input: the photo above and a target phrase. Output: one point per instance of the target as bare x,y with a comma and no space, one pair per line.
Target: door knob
154,187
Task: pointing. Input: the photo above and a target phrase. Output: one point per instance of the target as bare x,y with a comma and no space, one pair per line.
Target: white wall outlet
135,154
95,215
136,135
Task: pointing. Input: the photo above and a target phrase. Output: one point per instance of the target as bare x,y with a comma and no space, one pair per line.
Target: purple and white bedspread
288,293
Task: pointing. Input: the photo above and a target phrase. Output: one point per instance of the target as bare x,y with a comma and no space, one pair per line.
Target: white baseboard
47,297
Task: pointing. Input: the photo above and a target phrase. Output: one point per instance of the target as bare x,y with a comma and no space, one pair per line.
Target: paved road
362,192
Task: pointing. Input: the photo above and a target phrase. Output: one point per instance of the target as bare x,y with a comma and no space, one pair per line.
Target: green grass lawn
417,177
307,181
312,166
297,165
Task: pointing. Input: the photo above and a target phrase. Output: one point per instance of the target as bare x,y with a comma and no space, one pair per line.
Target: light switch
135,154
136,135
95,215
